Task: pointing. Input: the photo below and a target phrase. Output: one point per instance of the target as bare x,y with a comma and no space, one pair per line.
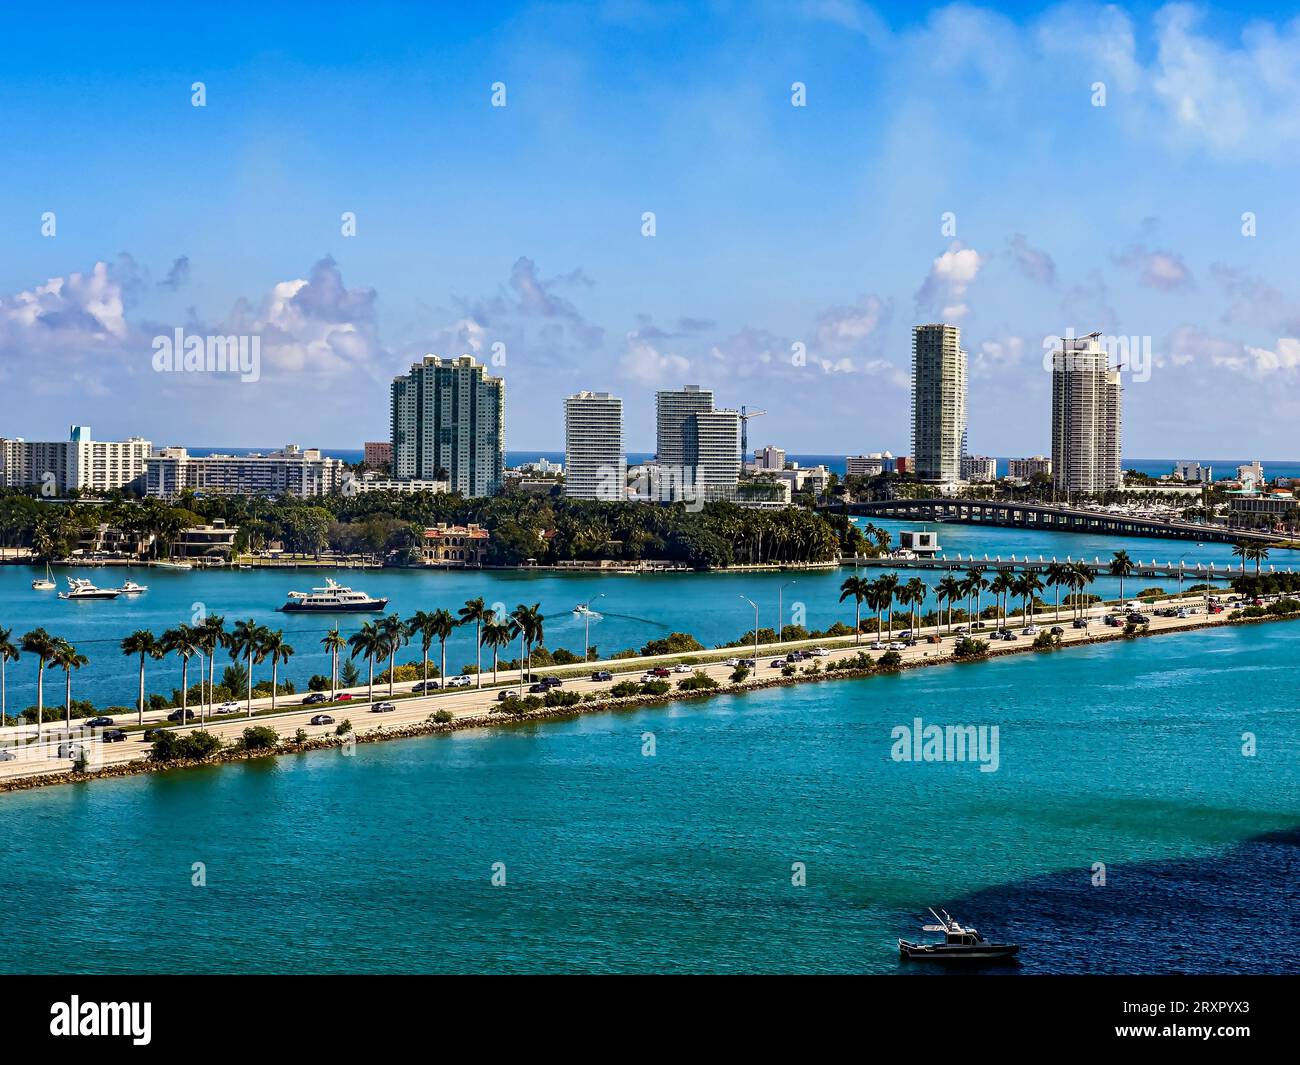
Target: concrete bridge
1182,569
1048,517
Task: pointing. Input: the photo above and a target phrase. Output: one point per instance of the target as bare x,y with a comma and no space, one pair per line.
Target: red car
344,697
1216,610
661,672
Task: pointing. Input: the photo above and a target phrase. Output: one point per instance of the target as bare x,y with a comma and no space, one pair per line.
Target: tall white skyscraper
1085,417
449,424
697,447
595,466
938,402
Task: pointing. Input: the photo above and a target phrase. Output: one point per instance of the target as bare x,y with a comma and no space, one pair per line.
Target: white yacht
79,588
171,565
333,599
129,587
46,583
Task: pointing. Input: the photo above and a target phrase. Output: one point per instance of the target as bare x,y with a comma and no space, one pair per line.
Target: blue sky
818,226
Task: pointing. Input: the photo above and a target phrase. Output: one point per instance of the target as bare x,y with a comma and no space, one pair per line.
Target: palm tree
8,652
948,589
1028,586
1258,552
40,643
369,642
142,643
425,624
1002,584
528,620
974,586
184,641
445,626
1058,575
395,635
1242,551
915,591
247,641
211,637
1082,575
1121,566
67,658
476,611
498,634
334,643
858,588
888,586
279,651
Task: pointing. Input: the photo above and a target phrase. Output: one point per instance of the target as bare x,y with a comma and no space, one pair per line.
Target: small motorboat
959,944
129,587
46,583
172,565
79,588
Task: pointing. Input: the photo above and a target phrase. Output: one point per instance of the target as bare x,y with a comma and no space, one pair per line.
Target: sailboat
46,583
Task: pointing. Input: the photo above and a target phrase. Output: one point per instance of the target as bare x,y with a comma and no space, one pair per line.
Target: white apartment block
449,422
1025,469
291,471
938,402
714,452
1193,472
697,447
872,465
1085,417
594,462
79,463
769,458
979,469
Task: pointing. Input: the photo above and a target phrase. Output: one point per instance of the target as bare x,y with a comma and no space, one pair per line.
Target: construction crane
745,415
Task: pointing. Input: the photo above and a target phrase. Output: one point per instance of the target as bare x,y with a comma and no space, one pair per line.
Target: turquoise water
1128,754
633,609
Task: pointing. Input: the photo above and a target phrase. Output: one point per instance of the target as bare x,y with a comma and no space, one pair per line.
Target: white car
681,669
461,681
732,662
820,652
7,756
878,646
226,708
382,708
1029,630
898,646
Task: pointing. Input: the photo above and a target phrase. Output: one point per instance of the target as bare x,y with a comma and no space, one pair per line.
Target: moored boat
46,583
959,944
80,589
129,587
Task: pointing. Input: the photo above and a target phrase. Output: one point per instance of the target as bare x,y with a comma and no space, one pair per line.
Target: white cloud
944,288
645,364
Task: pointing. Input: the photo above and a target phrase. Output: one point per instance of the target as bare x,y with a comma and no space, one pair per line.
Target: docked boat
959,944
79,588
46,583
129,587
333,599
171,565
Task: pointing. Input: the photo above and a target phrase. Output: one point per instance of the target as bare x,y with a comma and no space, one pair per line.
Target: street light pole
780,610
755,606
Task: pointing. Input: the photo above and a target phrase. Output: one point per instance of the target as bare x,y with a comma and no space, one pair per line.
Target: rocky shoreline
491,719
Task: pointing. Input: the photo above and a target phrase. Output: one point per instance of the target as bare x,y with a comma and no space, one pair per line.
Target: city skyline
788,263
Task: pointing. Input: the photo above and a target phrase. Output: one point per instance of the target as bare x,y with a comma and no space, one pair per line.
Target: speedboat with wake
959,944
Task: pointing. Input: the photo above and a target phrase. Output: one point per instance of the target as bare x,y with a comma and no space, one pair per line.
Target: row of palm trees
252,644
882,594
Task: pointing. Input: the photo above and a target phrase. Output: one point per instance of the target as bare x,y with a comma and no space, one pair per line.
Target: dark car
539,688
382,708
426,686
661,672
322,719
1056,630
314,698
175,715
151,734
113,735
602,674
1080,623
98,722
552,682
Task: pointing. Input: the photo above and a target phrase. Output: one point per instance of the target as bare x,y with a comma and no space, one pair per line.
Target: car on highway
1056,630
113,735
97,722
680,668
344,697
750,662
461,681
660,671
819,652
321,719
7,756
426,686
733,662
898,645
879,645
226,708
314,698
552,682
151,734
539,688
508,693
1081,623
382,708
175,715
1029,630
602,674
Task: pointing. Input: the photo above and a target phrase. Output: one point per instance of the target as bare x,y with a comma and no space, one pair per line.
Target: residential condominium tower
595,466
78,463
938,402
449,424
697,448
1085,417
